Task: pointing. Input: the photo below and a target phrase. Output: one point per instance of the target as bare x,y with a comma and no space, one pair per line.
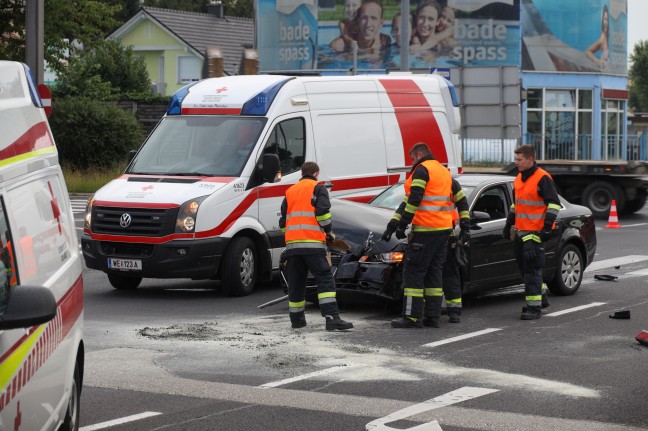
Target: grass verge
89,181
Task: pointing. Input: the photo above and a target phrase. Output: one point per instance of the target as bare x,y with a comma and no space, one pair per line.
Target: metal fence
566,147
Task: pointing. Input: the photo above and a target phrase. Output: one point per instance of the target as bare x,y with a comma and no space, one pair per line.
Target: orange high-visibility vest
301,224
530,207
28,268
14,279
435,209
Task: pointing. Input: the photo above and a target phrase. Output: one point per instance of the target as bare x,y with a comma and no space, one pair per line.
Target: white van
41,289
201,198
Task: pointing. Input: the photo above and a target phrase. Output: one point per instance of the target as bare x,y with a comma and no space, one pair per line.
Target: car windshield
394,195
198,145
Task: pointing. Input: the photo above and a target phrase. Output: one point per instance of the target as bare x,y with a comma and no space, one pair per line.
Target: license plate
125,264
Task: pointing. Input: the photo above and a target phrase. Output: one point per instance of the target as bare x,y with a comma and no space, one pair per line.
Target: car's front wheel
569,271
71,421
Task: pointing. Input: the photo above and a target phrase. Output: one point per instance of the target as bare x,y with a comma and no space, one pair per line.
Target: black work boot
335,323
454,316
298,320
407,322
545,302
531,313
431,322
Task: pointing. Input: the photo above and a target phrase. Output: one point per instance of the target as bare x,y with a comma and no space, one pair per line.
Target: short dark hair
526,150
420,147
309,168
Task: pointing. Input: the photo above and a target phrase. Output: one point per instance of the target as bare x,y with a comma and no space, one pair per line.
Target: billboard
287,34
583,36
445,33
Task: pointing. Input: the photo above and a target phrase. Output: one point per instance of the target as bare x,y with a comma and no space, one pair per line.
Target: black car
374,266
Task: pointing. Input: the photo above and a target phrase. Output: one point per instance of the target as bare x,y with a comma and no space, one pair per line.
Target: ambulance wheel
71,421
239,267
123,282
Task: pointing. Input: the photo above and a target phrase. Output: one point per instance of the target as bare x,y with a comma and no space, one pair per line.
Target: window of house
189,69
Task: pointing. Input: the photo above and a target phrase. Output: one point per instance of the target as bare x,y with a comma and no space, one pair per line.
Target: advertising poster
287,34
445,33
583,36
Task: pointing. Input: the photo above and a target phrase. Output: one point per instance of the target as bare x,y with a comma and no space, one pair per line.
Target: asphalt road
179,355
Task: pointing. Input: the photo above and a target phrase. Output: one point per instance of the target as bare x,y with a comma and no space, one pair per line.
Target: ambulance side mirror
28,306
131,155
270,168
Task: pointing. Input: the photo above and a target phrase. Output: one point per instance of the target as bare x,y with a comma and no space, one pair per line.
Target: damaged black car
362,262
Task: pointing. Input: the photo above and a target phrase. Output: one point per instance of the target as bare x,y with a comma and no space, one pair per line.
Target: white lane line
639,273
617,261
571,310
454,397
119,421
462,337
302,377
633,225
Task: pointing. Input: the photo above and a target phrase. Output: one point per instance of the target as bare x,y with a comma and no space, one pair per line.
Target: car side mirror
479,217
28,306
131,155
270,168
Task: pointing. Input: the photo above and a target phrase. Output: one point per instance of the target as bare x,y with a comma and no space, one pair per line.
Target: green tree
66,22
639,77
104,72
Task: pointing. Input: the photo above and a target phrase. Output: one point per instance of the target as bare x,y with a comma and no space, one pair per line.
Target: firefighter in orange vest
306,221
533,214
451,277
428,206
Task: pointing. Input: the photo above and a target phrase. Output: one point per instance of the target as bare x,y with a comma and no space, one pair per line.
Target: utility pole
35,47
404,35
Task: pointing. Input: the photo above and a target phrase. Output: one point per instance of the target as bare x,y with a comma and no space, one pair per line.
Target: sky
637,27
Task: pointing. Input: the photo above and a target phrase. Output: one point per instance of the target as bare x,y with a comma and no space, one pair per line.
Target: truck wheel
123,282
636,204
598,197
71,421
239,267
569,272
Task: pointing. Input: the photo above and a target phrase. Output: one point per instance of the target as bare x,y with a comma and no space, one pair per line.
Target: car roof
477,179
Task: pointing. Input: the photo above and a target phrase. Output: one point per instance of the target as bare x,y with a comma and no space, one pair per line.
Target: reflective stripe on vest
435,210
529,205
301,224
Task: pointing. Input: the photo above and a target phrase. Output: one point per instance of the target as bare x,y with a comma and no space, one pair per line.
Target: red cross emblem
147,188
220,90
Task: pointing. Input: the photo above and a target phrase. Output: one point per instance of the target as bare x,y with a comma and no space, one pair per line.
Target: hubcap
247,266
571,269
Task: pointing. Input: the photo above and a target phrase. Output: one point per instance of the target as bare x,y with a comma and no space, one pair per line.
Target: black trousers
451,279
297,273
531,271
423,273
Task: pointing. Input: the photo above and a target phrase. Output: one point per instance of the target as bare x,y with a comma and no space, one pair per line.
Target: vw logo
125,220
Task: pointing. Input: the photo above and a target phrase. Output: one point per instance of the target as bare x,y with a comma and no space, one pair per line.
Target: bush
91,134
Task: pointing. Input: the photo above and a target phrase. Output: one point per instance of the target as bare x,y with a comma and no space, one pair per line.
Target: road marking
302,377
641,272
571,310
462,337
617,261
633,225
454,397
119,421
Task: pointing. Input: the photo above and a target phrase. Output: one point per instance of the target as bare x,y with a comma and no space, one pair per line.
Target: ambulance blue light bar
260,104
175,104
453,94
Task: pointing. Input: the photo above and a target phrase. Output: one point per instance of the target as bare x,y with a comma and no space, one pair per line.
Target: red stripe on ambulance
36,138
412,109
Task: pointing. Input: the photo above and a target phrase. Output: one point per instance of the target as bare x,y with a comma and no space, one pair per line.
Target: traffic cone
613,221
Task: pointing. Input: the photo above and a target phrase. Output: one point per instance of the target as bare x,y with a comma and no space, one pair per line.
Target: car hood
355,223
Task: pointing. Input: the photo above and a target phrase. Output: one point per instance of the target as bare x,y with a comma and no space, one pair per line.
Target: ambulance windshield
215,146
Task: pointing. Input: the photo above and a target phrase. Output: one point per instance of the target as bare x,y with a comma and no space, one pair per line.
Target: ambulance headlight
87,221
187,215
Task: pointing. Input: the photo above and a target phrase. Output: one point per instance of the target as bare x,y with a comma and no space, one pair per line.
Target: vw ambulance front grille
134,221
124,249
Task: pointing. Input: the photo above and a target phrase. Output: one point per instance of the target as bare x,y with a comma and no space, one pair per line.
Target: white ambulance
41,289
201,198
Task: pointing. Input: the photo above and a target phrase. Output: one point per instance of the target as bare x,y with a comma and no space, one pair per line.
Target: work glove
400,232
545,234
529,250
391,227
330,237
506,233
464,237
